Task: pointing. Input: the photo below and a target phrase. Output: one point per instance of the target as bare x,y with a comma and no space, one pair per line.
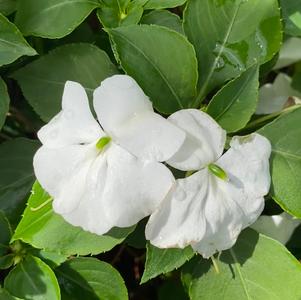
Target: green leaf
230,36
162,61
115,13
257,267
233,106
47,230
291,12
4,102
159,4
43,80
32,279
6,261
161,261
5,233
12,43
7,7
284,134
52,18
163,18
90,278
16,175
4,295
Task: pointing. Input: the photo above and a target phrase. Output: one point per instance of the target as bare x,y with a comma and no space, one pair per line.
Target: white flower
108,175
279,227
208,209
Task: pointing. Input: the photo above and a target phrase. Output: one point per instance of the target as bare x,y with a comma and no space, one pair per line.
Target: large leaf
7,6
158,4
47,230
5,233
43,80
16,175
256,268
229,36
233,106
4,102
162,61
161,261
291,11
4,295
32,279
90,278
52,18
284,134
12,43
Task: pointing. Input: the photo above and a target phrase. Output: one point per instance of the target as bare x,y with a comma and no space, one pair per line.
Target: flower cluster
111,173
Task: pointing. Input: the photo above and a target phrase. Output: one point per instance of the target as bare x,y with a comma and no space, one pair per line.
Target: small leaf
257,267
233,106
12,43
163,18
43,80
291,11
284,134
90,278
48,18
47,230
16,175
6,261
159,4
162,61
161,261
230,36
4,102
32,279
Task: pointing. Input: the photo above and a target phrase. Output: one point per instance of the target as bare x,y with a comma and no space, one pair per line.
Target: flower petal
205,140
119,190
75,123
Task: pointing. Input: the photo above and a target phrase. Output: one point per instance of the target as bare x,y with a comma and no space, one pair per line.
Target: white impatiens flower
108,174
208,209
279,227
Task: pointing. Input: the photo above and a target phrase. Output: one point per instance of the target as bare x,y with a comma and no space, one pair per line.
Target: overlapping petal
205,140
126,113
75,123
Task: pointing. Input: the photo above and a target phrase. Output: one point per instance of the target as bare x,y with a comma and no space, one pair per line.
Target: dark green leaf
257,267
164,18
44,229
230,36
6,261
159,4
89,278
5,233
161,261
284,134
7,7
4,295
32,279
291,12
4,102
162,61
52,18
233,106
12,43
43,80
16,175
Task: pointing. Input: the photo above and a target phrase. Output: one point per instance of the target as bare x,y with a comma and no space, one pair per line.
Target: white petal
149,136
205,140
120,190
75,124
279,227
118,99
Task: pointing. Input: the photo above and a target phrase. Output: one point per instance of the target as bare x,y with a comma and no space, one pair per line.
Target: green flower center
218,171
102,142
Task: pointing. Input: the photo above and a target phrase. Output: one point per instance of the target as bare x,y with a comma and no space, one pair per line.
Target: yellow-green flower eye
218,171
102,142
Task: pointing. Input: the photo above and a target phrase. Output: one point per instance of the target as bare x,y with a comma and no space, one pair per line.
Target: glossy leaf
12,43
230,36
291,11
44,229
48,18
163,18
7,7
32,279
257,267
4,102
90,278
43,80
161,60
284,134
159,4
16,175
233,106
161,261
5,233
